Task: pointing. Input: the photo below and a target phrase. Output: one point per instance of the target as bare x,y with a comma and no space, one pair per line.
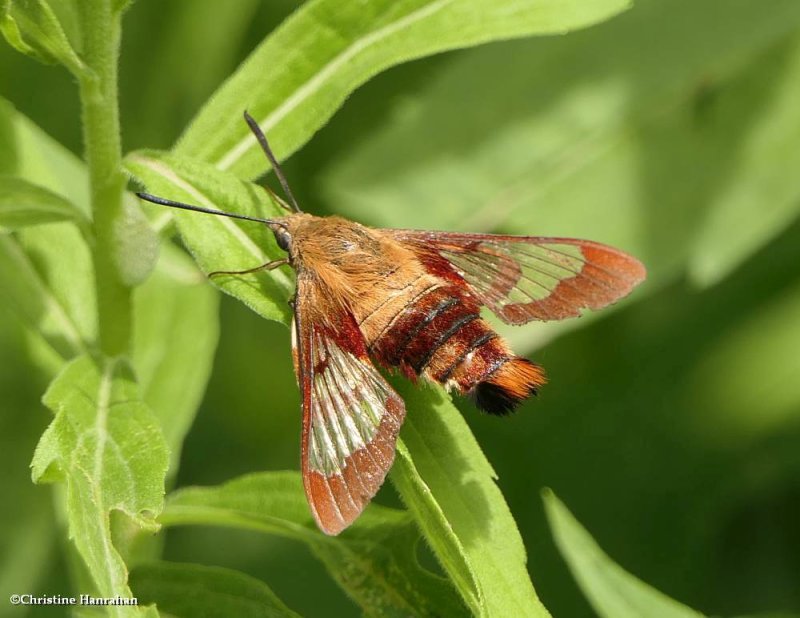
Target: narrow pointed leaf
211,592
612,591
23,203
303,72
221,243
763,197
41,160
46,270
8,141
47,277
446,481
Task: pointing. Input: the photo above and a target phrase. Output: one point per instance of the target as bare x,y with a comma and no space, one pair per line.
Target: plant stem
101,138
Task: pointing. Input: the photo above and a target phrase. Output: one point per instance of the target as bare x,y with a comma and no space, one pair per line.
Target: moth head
282,236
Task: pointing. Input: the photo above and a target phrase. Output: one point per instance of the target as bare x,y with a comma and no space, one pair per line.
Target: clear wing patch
517,272
348,403
523,279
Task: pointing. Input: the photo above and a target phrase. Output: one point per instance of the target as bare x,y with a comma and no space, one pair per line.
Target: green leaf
616,133
303,72
27,520
212,592
763,197
175,336
33,28
8,142
374,560
611,590
41,160
221,243
445,480
23,203
47,277
121,5
106,445
46,271
136,244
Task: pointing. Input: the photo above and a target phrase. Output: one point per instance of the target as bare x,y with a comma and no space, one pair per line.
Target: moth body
413,316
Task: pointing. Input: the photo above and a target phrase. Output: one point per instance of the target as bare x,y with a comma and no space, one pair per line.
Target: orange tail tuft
511,383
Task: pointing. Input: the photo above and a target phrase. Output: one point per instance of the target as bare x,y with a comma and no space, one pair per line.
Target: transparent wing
524,278
351,416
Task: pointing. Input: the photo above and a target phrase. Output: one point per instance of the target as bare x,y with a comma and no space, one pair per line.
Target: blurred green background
671,426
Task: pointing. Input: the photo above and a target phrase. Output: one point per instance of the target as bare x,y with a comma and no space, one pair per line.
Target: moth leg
266,266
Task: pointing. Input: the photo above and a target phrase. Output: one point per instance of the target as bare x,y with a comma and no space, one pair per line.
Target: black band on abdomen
411,335
456,326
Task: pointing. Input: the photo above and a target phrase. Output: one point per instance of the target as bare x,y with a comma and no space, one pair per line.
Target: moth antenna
161,201
277,198
262,140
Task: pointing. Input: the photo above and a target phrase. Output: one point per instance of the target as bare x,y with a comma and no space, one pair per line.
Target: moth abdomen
441,336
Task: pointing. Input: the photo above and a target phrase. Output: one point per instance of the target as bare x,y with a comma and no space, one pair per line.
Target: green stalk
101,139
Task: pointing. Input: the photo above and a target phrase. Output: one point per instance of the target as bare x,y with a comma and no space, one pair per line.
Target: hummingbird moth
410,300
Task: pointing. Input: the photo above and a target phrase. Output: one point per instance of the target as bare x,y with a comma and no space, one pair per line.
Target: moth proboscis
410,300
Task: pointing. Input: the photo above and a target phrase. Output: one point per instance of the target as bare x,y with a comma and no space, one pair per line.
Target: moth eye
283,239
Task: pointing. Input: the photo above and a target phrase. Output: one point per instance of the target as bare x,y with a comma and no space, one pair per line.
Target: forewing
351,416
524,278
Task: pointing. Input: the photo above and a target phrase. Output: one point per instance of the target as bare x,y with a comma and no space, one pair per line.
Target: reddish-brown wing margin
351,416
524,278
